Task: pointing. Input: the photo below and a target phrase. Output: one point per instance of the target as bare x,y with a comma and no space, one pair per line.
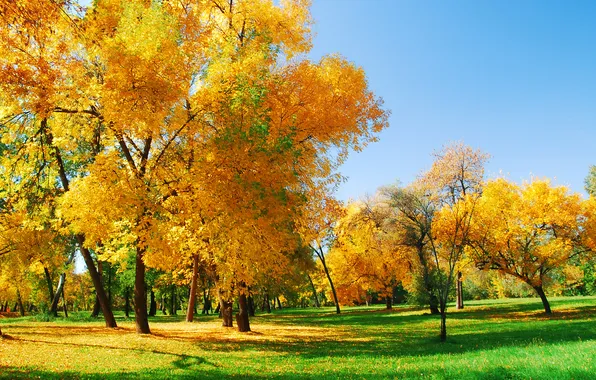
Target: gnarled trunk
192,299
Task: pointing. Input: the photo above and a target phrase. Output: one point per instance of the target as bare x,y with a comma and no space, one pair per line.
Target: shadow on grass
434,373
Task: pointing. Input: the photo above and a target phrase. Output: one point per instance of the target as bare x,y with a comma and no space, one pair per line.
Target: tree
526,231
454,184
162,116
367,255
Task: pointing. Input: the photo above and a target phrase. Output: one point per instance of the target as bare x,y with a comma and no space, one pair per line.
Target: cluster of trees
187,149
423,236
192,137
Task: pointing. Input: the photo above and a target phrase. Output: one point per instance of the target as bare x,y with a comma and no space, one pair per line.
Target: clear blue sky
516,79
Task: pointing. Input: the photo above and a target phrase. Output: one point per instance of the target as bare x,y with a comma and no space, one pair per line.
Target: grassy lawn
493,339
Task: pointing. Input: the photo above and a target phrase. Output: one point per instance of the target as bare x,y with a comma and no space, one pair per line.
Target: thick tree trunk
459,292
242,315
152,305
192,299
127,302
49,283
226,313
140,296
102,299
314,291
389,302
545,303
64,304
443,326
20,302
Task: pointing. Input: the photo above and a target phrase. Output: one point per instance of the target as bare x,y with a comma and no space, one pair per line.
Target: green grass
489,339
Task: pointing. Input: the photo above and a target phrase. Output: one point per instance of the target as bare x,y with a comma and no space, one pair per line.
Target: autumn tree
367,255
526,231
453,184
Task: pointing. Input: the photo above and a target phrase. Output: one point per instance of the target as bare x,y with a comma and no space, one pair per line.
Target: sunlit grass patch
486,340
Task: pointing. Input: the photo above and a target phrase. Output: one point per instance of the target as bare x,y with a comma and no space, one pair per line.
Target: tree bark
321,256
192,299
140,296
127,302
242,316
226,313
443,326
64,304
56,298
266,304
389,302
102,299
20,302
278,303
49,282
173,300
314,291
459,292
545,303
152,305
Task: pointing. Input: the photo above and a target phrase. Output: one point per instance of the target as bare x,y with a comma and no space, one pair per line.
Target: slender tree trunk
545,303
20,302
64,304
173,300
56,298
314,291
242,315
389,302
206,303
95,277
152,305
163,304
140,296
49,282
443,325
102,299
337,310
278,303
127,302
459,291
192,299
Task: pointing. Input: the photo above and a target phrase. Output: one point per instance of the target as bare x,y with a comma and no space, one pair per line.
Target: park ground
489,339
